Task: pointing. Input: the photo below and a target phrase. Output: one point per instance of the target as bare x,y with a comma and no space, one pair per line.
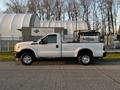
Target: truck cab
49,46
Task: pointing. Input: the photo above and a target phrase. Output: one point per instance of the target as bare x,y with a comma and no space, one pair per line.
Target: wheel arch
85,50
18,55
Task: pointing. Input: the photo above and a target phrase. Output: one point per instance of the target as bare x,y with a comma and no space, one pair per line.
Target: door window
50,39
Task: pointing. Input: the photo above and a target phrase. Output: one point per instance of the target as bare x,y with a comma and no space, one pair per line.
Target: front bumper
16,56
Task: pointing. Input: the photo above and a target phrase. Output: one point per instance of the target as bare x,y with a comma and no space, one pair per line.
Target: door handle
57,46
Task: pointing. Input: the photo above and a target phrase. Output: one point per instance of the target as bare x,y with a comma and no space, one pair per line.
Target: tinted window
50,39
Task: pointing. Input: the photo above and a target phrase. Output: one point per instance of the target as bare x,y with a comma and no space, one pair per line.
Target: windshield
51,38
37,38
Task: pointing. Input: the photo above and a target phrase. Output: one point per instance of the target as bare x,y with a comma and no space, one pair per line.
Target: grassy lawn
7,56
10,57
112,56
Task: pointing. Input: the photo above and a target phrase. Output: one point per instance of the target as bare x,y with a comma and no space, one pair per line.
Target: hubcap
27,59
85,59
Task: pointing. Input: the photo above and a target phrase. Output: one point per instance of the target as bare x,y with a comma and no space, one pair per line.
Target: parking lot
60,76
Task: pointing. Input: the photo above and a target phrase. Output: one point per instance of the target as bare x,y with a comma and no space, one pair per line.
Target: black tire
27,59
85,58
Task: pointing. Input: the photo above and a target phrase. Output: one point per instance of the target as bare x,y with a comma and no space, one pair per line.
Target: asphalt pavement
60,76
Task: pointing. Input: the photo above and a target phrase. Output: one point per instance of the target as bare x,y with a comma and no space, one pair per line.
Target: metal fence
7,43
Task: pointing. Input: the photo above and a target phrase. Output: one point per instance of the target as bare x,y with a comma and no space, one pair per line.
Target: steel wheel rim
27,59
85,59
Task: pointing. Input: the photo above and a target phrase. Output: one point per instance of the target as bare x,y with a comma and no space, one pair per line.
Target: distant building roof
9,23
69,25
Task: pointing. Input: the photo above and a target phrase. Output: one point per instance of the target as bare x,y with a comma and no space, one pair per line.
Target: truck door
49,46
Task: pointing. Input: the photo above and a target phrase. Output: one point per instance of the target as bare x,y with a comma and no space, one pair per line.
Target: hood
19,45
25,43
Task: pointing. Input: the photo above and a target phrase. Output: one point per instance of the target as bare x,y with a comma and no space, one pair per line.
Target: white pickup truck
53,46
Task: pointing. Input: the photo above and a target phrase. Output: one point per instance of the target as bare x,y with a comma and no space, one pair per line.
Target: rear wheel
85,58
27,59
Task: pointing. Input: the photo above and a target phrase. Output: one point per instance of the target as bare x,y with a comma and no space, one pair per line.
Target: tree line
98,14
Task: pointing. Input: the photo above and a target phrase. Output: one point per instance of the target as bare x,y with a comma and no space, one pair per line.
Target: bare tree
16,6
110,15
103,12
73,9
86,6
98,13
32,6
58,10
115,14
47,8
40,9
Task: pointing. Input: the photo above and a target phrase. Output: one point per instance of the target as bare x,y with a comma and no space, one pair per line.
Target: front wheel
85,59
27,59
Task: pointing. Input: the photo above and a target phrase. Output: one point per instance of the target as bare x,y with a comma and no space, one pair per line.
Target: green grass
112,56
10,57
7,56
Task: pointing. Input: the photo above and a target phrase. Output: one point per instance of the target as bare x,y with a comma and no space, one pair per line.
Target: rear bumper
104,55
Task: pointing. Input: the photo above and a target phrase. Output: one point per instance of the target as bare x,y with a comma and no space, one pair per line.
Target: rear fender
78,51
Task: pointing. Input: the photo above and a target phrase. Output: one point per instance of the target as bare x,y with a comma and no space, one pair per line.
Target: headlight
17,46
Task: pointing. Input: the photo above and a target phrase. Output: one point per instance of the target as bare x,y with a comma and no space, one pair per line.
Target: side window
50,39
